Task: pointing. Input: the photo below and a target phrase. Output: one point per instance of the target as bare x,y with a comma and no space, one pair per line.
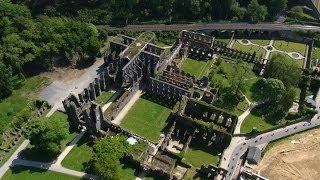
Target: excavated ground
293,158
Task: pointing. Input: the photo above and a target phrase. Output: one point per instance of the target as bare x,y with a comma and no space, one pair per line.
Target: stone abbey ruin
136,64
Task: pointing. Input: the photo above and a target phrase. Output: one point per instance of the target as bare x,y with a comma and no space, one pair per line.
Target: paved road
239,145
214,26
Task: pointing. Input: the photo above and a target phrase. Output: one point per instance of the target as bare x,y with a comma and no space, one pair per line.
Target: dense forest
40,42
122,12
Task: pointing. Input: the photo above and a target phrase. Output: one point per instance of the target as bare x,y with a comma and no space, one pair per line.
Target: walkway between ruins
243,116
127,107
69,147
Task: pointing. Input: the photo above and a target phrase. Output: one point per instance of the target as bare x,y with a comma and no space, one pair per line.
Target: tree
277,6
107,154
284,69
256,12
5,81
46,134
277,99
267,90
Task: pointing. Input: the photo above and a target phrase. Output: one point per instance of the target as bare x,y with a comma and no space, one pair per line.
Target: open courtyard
148,117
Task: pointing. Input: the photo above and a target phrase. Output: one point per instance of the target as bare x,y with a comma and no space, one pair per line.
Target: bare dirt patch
293,158
63,74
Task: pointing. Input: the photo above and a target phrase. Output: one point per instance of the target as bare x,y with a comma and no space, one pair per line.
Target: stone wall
117,106
202,111
167,90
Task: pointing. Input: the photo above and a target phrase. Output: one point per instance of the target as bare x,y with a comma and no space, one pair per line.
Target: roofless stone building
134,64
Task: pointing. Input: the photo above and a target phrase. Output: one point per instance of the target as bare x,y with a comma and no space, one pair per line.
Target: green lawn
148,117
80,155
300,61
31,153
241,108
260,52
248,83
316,53
261,42
196,68
198,154
23,173
17,107
104,97
290,46
127,172
252,121
225,40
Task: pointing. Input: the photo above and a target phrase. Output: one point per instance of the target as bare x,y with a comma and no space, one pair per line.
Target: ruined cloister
136,64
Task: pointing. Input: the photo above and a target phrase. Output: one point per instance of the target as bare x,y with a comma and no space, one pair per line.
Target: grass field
225,40
196,68
17,106
260,52
300,61
198,155
104,97
290,46
31,153
80,155
148,117
252,121
248,83
23,173
316,53
261,42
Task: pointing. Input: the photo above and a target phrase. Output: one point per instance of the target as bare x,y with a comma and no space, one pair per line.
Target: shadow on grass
20,169
159,100
34,154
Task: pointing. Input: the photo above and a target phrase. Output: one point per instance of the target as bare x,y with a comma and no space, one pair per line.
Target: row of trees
27,41
125,11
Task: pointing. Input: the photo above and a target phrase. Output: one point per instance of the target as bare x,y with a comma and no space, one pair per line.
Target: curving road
214,26
239,145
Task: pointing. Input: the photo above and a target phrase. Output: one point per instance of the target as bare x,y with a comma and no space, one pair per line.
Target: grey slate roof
254,155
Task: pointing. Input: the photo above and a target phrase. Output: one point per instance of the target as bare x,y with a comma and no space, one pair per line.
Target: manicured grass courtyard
260,52
261,42
197,68
148,116
198,154
225,40
287,46
299,61
24,173
104,97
